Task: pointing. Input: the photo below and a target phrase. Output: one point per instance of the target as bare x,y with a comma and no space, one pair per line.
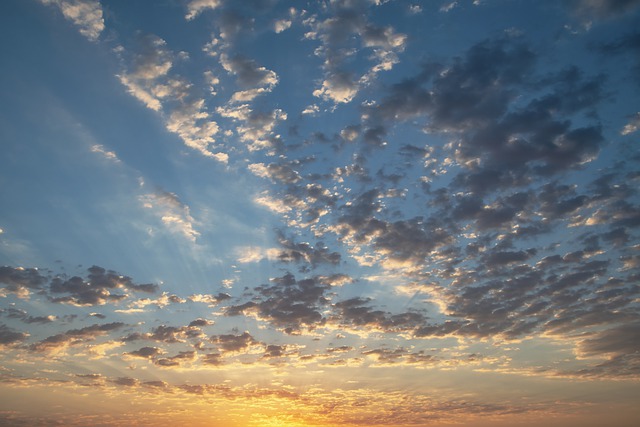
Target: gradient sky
319,213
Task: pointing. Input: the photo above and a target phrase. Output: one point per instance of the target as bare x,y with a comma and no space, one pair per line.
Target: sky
336,213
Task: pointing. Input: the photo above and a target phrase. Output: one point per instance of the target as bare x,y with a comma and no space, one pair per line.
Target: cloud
87,15
10,337
617,341
15,313
183,356
356,313
287,303
20,281
473,100
195,7
601,9
172,334
254,127
304,252
448,7
234,343
97,289
632,126
72,337
625,46
617,346
349,19
174,214
147,76
145,352
276,172
194,126
247,254
249,75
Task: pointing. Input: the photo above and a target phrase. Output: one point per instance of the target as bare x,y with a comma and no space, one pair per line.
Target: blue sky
332,213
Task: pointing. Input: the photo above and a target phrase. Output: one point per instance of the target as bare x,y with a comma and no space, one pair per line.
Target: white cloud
184,114
311,109
282,25
193,124
98,148
173,213
632,126
249,254
85,14
150,101
448,7
256,127
195,7
273,204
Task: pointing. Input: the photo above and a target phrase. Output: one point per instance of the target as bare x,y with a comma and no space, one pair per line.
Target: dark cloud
602,9
20,280
172,334
357,312
75,336
14,313
618,346
273,350
198,323
400,355
620,340
168,334
234,343
627,45
288,303
146,352
214,359
96,289
183,356
341,349
125,381
495,259
249,74
348,28
304,252
9,336
502,142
